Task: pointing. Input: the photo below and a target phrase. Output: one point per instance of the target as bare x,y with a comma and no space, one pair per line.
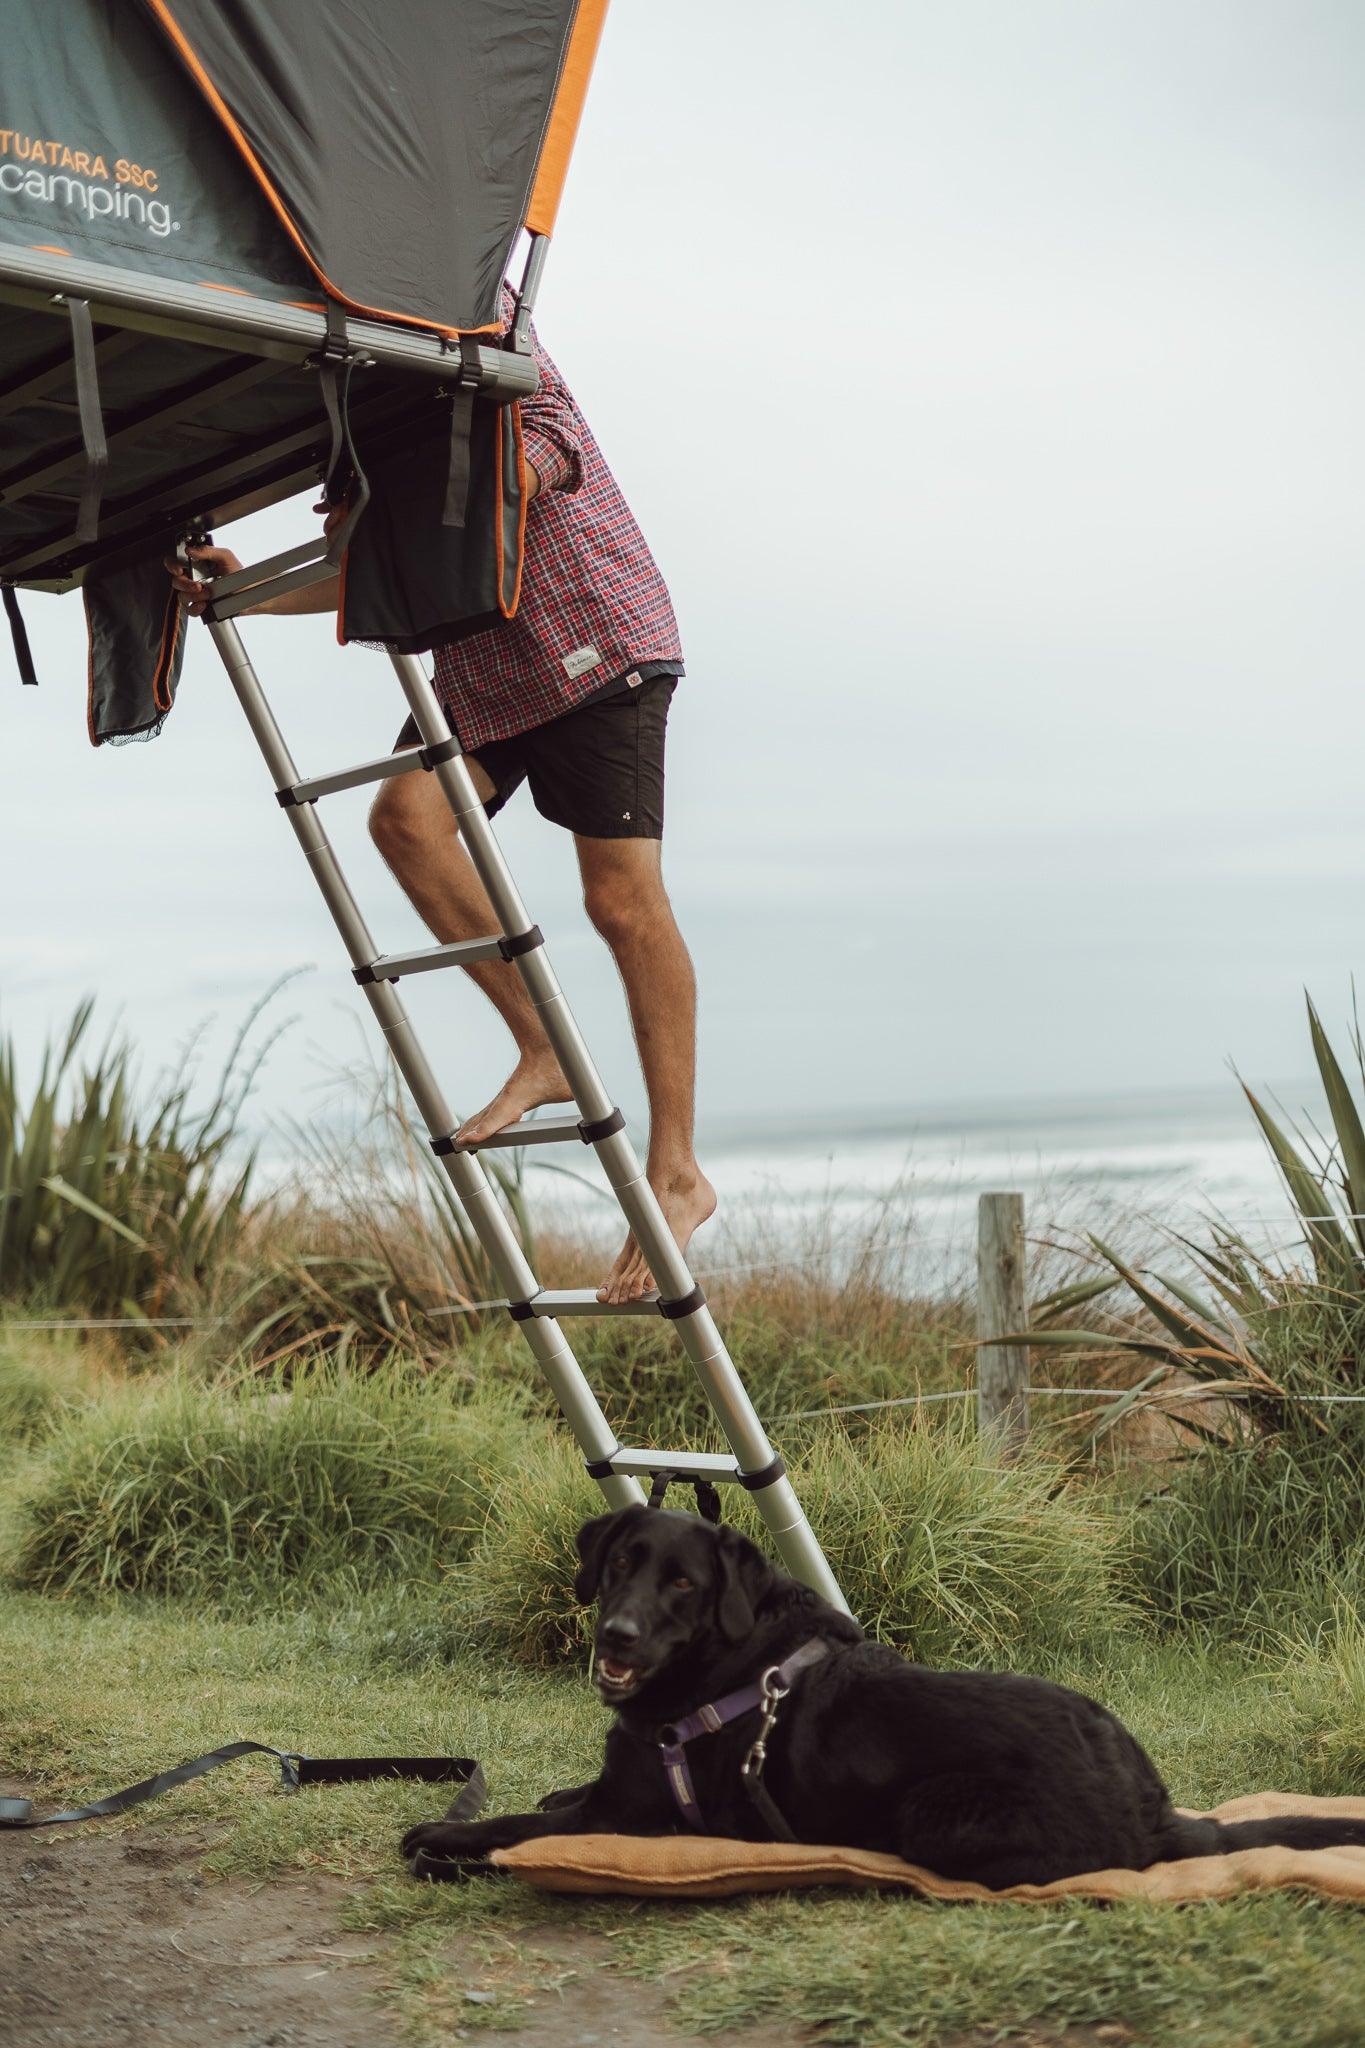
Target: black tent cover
211,192
388,150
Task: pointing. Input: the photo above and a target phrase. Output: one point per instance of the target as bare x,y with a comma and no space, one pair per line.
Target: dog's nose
620,1633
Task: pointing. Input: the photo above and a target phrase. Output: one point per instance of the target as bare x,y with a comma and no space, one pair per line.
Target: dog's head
665,1584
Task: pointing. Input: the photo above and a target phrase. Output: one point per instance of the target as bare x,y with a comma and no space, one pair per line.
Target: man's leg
412,825
623,888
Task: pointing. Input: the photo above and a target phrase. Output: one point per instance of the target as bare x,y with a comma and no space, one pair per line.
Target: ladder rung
582,1301
234,580
540,1130
352,778
694,1464
222,608
389,966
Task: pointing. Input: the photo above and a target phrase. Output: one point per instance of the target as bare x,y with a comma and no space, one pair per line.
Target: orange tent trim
161,10
562,129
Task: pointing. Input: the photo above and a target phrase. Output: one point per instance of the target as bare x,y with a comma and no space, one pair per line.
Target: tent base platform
210,405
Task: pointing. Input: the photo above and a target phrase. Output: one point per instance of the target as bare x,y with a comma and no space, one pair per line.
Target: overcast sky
987,379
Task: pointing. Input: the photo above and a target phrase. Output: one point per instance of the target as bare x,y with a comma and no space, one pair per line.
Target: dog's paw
571,1796
449,1869
446,1851
446,1838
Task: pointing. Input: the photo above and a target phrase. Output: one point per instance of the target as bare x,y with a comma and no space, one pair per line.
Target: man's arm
549,428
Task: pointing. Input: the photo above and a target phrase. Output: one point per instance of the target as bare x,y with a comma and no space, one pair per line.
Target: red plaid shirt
593,603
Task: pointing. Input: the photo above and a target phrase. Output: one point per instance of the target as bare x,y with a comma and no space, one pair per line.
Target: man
572,696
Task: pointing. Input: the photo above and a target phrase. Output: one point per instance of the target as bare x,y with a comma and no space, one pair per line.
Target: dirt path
117,1941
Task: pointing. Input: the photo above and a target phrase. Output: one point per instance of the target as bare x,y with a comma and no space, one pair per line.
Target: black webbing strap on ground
295,1770
23,653
92,419
708,1499
344,475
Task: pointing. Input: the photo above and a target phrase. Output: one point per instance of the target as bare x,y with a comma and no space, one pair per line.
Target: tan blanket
707,1867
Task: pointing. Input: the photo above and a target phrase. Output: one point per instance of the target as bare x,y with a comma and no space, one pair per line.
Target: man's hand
213,562
313,597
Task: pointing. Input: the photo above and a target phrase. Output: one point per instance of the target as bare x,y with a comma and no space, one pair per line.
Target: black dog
978,1775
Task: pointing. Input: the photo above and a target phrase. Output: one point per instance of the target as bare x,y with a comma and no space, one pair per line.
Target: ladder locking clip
289,799
365,975
523,942
521,1311
605,1127
442,750
600,1468
754,1482
685,1305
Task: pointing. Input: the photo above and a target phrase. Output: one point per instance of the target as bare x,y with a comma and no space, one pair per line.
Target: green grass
43,1377
954,1556
1248,1538
98,1695
225,1493
322,1484
798,1344
339,1544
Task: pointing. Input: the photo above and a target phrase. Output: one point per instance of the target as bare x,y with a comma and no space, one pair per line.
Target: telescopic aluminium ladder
752,1463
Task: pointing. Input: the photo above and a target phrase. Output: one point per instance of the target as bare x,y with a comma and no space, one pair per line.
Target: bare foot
536,1079
687,1200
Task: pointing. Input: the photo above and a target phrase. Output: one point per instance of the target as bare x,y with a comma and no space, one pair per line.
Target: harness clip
773,1691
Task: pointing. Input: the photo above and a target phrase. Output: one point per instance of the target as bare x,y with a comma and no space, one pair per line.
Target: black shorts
597,770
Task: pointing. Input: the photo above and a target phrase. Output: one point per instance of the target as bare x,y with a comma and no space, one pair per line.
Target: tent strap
23,653
457,474
92,419
344,474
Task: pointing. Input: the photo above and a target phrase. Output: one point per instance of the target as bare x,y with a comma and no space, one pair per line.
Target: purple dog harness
766,1693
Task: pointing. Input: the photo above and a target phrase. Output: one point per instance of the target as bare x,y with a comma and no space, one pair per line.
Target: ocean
1138,1167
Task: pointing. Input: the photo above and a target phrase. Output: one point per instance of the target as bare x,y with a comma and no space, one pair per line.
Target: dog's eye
681,1585
620,1561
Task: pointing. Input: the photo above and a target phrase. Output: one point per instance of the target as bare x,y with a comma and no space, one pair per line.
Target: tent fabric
387,152
397,141
414,579
113,159
700,1866
136,633
562,131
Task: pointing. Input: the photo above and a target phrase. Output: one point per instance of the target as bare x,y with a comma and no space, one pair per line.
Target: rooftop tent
202,202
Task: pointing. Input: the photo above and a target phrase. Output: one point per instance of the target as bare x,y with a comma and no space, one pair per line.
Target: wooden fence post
1001,1307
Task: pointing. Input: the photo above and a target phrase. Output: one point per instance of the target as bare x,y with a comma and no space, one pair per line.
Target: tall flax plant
1254,1327
108,1203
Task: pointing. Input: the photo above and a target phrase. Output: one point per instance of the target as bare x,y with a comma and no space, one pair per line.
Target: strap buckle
708,1498
774,1690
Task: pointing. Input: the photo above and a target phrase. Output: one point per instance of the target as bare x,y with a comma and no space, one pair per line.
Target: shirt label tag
634,679
581,660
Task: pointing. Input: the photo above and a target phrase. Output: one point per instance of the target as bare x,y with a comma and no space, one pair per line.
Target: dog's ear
745,1576
593,1541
